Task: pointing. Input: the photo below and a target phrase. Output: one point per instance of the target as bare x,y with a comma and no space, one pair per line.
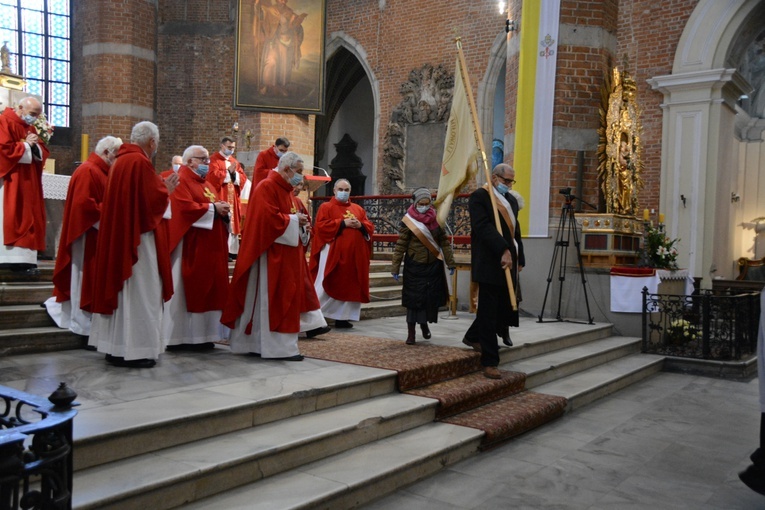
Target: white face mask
422,209
176,167
342,196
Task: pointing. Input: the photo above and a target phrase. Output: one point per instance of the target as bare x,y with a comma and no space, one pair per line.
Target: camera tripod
566,230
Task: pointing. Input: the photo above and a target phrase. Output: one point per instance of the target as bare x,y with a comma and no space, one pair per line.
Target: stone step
355,477
384,280
181,474
120,430
29,293
554,365
385,308
44,274
387,293
24,316
589,385
38,339
535,338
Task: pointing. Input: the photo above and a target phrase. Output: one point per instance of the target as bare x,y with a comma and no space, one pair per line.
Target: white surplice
331,307
67,314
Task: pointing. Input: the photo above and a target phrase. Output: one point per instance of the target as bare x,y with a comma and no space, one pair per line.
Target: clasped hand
222,208
352,223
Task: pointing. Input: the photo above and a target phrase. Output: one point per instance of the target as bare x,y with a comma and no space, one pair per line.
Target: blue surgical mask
279,153
228,152
422,209
202,170
296,179
176,167
343,196
502,188
29,119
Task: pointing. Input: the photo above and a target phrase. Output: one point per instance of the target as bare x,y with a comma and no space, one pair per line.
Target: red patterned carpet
501,408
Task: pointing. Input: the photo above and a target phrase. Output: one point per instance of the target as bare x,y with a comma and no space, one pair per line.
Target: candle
661,218
84,148
645,215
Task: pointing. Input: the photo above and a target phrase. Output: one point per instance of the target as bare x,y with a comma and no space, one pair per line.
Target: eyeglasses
203,159
506,181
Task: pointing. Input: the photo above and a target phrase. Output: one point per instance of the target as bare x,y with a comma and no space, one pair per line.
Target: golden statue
620,148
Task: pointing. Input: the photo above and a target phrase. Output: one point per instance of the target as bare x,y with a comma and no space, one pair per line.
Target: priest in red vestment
228,178
71,302
177,161
340,254
132,269
268,159
22,157
199,258
265,297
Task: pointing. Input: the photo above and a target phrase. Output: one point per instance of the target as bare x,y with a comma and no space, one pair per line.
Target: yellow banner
459,163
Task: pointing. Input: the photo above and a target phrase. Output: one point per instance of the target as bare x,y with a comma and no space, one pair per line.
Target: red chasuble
24,208
268,215
346,275
229,191
267,160
82,210
134,203
310,299
204,264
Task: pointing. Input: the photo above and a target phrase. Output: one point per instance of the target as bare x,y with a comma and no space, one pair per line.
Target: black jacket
487,245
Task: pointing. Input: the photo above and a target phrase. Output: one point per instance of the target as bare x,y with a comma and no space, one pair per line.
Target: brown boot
492,373
410,337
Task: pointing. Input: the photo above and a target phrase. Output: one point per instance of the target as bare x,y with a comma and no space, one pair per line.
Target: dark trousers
491,318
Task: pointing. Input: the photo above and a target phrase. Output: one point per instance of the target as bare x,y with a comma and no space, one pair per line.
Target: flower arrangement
44,128
680,331
660,249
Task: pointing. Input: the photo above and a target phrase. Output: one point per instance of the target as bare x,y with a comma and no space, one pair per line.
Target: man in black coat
491,253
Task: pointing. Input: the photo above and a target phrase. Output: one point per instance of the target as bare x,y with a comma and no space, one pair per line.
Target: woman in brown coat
424,247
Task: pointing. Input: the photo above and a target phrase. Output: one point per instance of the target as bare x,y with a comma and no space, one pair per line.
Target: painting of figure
280,56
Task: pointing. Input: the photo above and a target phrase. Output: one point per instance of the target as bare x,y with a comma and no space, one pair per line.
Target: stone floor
673,441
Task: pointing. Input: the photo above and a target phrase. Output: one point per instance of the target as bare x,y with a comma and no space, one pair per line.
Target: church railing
36,449
386,212
710,325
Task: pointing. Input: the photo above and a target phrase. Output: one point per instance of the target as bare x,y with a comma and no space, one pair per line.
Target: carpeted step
417,365
511,416
470,391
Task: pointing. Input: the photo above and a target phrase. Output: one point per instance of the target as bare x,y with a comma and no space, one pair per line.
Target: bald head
29,108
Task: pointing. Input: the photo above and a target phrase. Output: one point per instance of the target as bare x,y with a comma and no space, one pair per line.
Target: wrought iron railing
711,325
386,211
36,450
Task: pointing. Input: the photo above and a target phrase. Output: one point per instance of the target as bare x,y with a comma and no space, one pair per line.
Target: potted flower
679,332
661,250
44,128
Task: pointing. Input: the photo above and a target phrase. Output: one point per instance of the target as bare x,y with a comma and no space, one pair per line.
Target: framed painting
280,56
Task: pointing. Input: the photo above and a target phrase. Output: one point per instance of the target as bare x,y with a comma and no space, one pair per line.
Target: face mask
296,179
228,152
279,153
176,167
502,188
202,170
422,209
29,119
342,196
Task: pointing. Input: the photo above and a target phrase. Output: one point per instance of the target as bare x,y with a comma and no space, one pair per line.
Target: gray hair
108,144
337,182
500,169
189,152
143,132
289,160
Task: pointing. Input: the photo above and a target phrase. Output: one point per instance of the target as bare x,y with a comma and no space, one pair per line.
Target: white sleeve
27,157
206,221
291,236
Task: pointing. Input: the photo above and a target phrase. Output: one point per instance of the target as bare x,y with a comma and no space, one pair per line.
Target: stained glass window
37,33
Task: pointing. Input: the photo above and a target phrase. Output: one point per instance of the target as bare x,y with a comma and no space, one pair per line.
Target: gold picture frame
280,56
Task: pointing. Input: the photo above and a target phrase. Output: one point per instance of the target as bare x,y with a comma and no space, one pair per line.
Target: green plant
680,331
660,249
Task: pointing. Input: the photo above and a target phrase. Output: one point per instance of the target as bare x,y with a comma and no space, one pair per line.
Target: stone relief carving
426,97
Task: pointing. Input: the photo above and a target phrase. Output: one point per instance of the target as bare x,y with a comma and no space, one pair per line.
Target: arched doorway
350,109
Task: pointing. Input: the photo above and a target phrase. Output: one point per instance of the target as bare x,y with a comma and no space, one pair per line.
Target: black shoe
204,346
119,361
256,354
754,478
473,345
317,331
343,325
297,357
91,348
506,339
425,331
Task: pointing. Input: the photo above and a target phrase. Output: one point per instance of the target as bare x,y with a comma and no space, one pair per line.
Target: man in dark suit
491,253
